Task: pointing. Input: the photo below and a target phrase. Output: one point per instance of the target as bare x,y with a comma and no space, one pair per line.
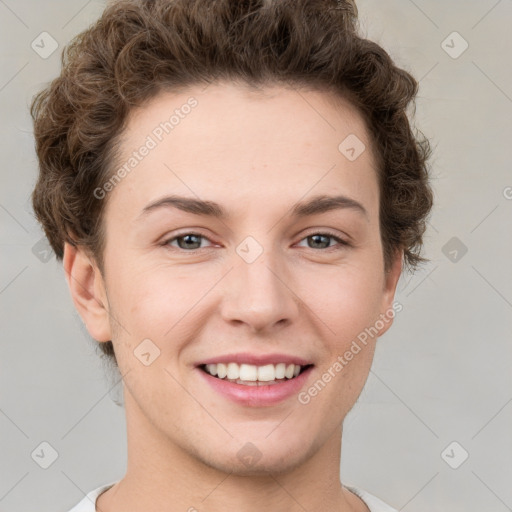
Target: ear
87,291
390,284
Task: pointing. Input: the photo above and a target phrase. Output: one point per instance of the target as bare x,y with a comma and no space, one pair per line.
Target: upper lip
256,359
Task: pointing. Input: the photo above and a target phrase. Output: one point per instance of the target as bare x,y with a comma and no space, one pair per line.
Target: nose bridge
258,293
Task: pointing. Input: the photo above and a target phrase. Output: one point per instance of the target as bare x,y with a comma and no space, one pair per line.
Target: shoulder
372,502
88,503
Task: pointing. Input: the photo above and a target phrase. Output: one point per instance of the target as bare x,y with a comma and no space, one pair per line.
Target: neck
163,476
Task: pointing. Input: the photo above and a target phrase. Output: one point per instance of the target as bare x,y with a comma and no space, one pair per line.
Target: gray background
441,373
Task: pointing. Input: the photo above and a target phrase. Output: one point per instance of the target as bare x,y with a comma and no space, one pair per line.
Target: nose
260,295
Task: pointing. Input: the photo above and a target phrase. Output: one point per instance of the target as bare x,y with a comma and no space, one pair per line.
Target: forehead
268,144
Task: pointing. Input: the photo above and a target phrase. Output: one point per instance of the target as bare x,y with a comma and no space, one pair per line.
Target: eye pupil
316,237
187,238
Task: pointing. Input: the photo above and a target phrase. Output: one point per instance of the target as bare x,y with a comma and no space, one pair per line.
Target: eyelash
342,243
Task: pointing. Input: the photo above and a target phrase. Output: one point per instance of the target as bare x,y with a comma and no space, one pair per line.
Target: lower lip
257,396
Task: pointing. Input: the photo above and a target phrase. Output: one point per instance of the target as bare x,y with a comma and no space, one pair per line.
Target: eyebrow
316,205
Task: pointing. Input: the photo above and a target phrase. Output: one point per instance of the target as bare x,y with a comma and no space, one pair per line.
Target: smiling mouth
251,375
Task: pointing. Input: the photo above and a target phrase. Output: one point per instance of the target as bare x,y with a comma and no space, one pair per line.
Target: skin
256,155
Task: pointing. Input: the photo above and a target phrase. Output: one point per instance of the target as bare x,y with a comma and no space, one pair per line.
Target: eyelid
327,232
167,239
315,231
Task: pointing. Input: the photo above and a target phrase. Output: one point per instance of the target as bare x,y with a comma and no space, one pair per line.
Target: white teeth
248,372
211,369
233,371
222,371
289,371
252,373
280,370
266,373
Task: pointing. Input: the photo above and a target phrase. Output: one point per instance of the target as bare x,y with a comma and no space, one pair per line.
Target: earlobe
87,290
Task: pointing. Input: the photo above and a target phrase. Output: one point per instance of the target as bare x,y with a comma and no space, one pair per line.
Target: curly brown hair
141,47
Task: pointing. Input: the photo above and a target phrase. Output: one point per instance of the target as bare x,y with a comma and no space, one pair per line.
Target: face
270,273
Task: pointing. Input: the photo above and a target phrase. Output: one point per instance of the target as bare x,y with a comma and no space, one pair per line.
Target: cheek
150,294
349,309
160,305
349,303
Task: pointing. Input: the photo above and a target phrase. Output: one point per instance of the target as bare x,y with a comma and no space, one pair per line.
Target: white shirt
88,504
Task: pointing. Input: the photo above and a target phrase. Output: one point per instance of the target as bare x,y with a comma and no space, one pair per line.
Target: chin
258,458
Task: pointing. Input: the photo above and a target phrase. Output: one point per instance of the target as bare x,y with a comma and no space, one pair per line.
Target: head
243,112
